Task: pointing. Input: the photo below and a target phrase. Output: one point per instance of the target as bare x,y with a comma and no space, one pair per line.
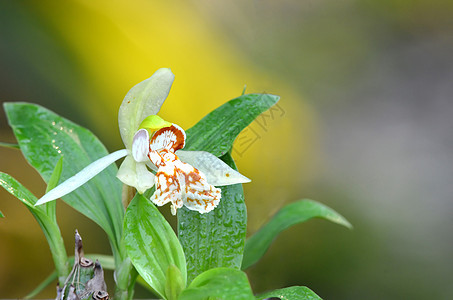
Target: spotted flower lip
139,109
182,184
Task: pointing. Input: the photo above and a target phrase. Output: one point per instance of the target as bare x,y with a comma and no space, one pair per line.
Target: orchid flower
182,177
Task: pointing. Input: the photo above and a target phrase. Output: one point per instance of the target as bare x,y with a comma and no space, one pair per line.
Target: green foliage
210,248
216,239
152,244
294,213
44,138
219,283
56,174
9,145
291,293
53,182
46,219
175,282
217,131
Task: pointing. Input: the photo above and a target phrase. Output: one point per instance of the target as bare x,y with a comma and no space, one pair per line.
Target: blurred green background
364,125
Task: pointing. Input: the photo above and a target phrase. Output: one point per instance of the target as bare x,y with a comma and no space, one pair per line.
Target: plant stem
125,277
56,245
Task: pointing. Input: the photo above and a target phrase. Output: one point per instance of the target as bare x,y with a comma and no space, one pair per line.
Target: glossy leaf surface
53,182
45,137
291,293
217,239
152,244
294,213
46,219
220,283
216,132
175,283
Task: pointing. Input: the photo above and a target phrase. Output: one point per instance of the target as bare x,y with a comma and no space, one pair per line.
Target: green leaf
107,261
175,283
217,131
217,239
1,215
219,283
152,244
291,293
47,222
53,182
56,174
9,145
294,213
16,189
44,138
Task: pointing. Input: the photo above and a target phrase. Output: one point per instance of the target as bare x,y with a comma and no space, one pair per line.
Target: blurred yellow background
362,125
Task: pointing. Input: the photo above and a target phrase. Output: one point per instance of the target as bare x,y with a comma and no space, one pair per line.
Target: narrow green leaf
9,145
174,284
217,131
53,182
107,261
217,239
291,293
56,174
47,222
244,89
294,213
1,214
220,283
16,189
152,244
44,138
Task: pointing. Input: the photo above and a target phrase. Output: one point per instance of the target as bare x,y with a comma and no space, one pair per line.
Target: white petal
217,172
140,146
135,174
143,100
82,177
